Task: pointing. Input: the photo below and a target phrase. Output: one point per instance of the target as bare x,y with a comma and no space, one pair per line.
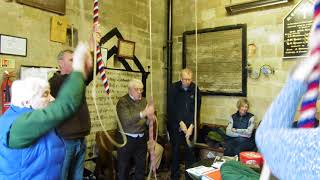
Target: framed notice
126,49
56,6
12,45
37,71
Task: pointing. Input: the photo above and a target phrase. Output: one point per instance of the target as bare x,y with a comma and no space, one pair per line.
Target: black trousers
177,139
234,146
136,150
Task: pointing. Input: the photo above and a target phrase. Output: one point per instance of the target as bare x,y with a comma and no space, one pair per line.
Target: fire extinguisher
6,93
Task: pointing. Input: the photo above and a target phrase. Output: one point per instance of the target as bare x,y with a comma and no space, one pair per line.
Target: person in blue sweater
29,145
291,153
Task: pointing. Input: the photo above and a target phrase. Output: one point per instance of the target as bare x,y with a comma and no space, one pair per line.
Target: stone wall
265,31
130,17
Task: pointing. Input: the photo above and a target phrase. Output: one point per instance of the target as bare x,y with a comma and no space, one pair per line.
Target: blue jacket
241,122
40,161
244,125
181,105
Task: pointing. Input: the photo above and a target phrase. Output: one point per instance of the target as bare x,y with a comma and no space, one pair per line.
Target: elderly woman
29,145
239,130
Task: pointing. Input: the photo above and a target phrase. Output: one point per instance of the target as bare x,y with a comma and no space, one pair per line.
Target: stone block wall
265,31
131,18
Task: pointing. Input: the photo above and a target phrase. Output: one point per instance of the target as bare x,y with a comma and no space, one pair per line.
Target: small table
204,162
209,162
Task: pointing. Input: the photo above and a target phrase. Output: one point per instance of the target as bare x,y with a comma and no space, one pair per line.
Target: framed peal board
221,59
56,6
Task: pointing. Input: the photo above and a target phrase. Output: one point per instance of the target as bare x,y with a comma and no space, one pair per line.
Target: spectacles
138,90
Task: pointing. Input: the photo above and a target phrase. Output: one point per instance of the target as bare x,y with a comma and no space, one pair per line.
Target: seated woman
239,130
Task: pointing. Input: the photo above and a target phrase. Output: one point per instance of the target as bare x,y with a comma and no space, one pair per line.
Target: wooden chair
106,161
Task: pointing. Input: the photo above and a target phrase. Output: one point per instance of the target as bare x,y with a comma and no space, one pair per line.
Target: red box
252,158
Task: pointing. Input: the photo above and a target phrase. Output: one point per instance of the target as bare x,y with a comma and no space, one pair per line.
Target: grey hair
242,102
186,71
61,53
134,82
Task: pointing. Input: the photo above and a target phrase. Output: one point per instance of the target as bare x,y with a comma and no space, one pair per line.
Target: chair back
106,162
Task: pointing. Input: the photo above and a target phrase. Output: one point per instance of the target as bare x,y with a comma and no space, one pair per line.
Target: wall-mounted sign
58,32
13,45
296,28
126,49
7,62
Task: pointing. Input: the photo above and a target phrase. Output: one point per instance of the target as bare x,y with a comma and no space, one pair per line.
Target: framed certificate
126,49
12,45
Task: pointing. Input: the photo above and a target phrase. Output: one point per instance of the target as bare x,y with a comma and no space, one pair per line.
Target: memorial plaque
296,28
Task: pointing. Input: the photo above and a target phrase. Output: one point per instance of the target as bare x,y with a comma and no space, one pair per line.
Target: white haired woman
29,145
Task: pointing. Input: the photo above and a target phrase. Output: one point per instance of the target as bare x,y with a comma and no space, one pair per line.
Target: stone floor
164,174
